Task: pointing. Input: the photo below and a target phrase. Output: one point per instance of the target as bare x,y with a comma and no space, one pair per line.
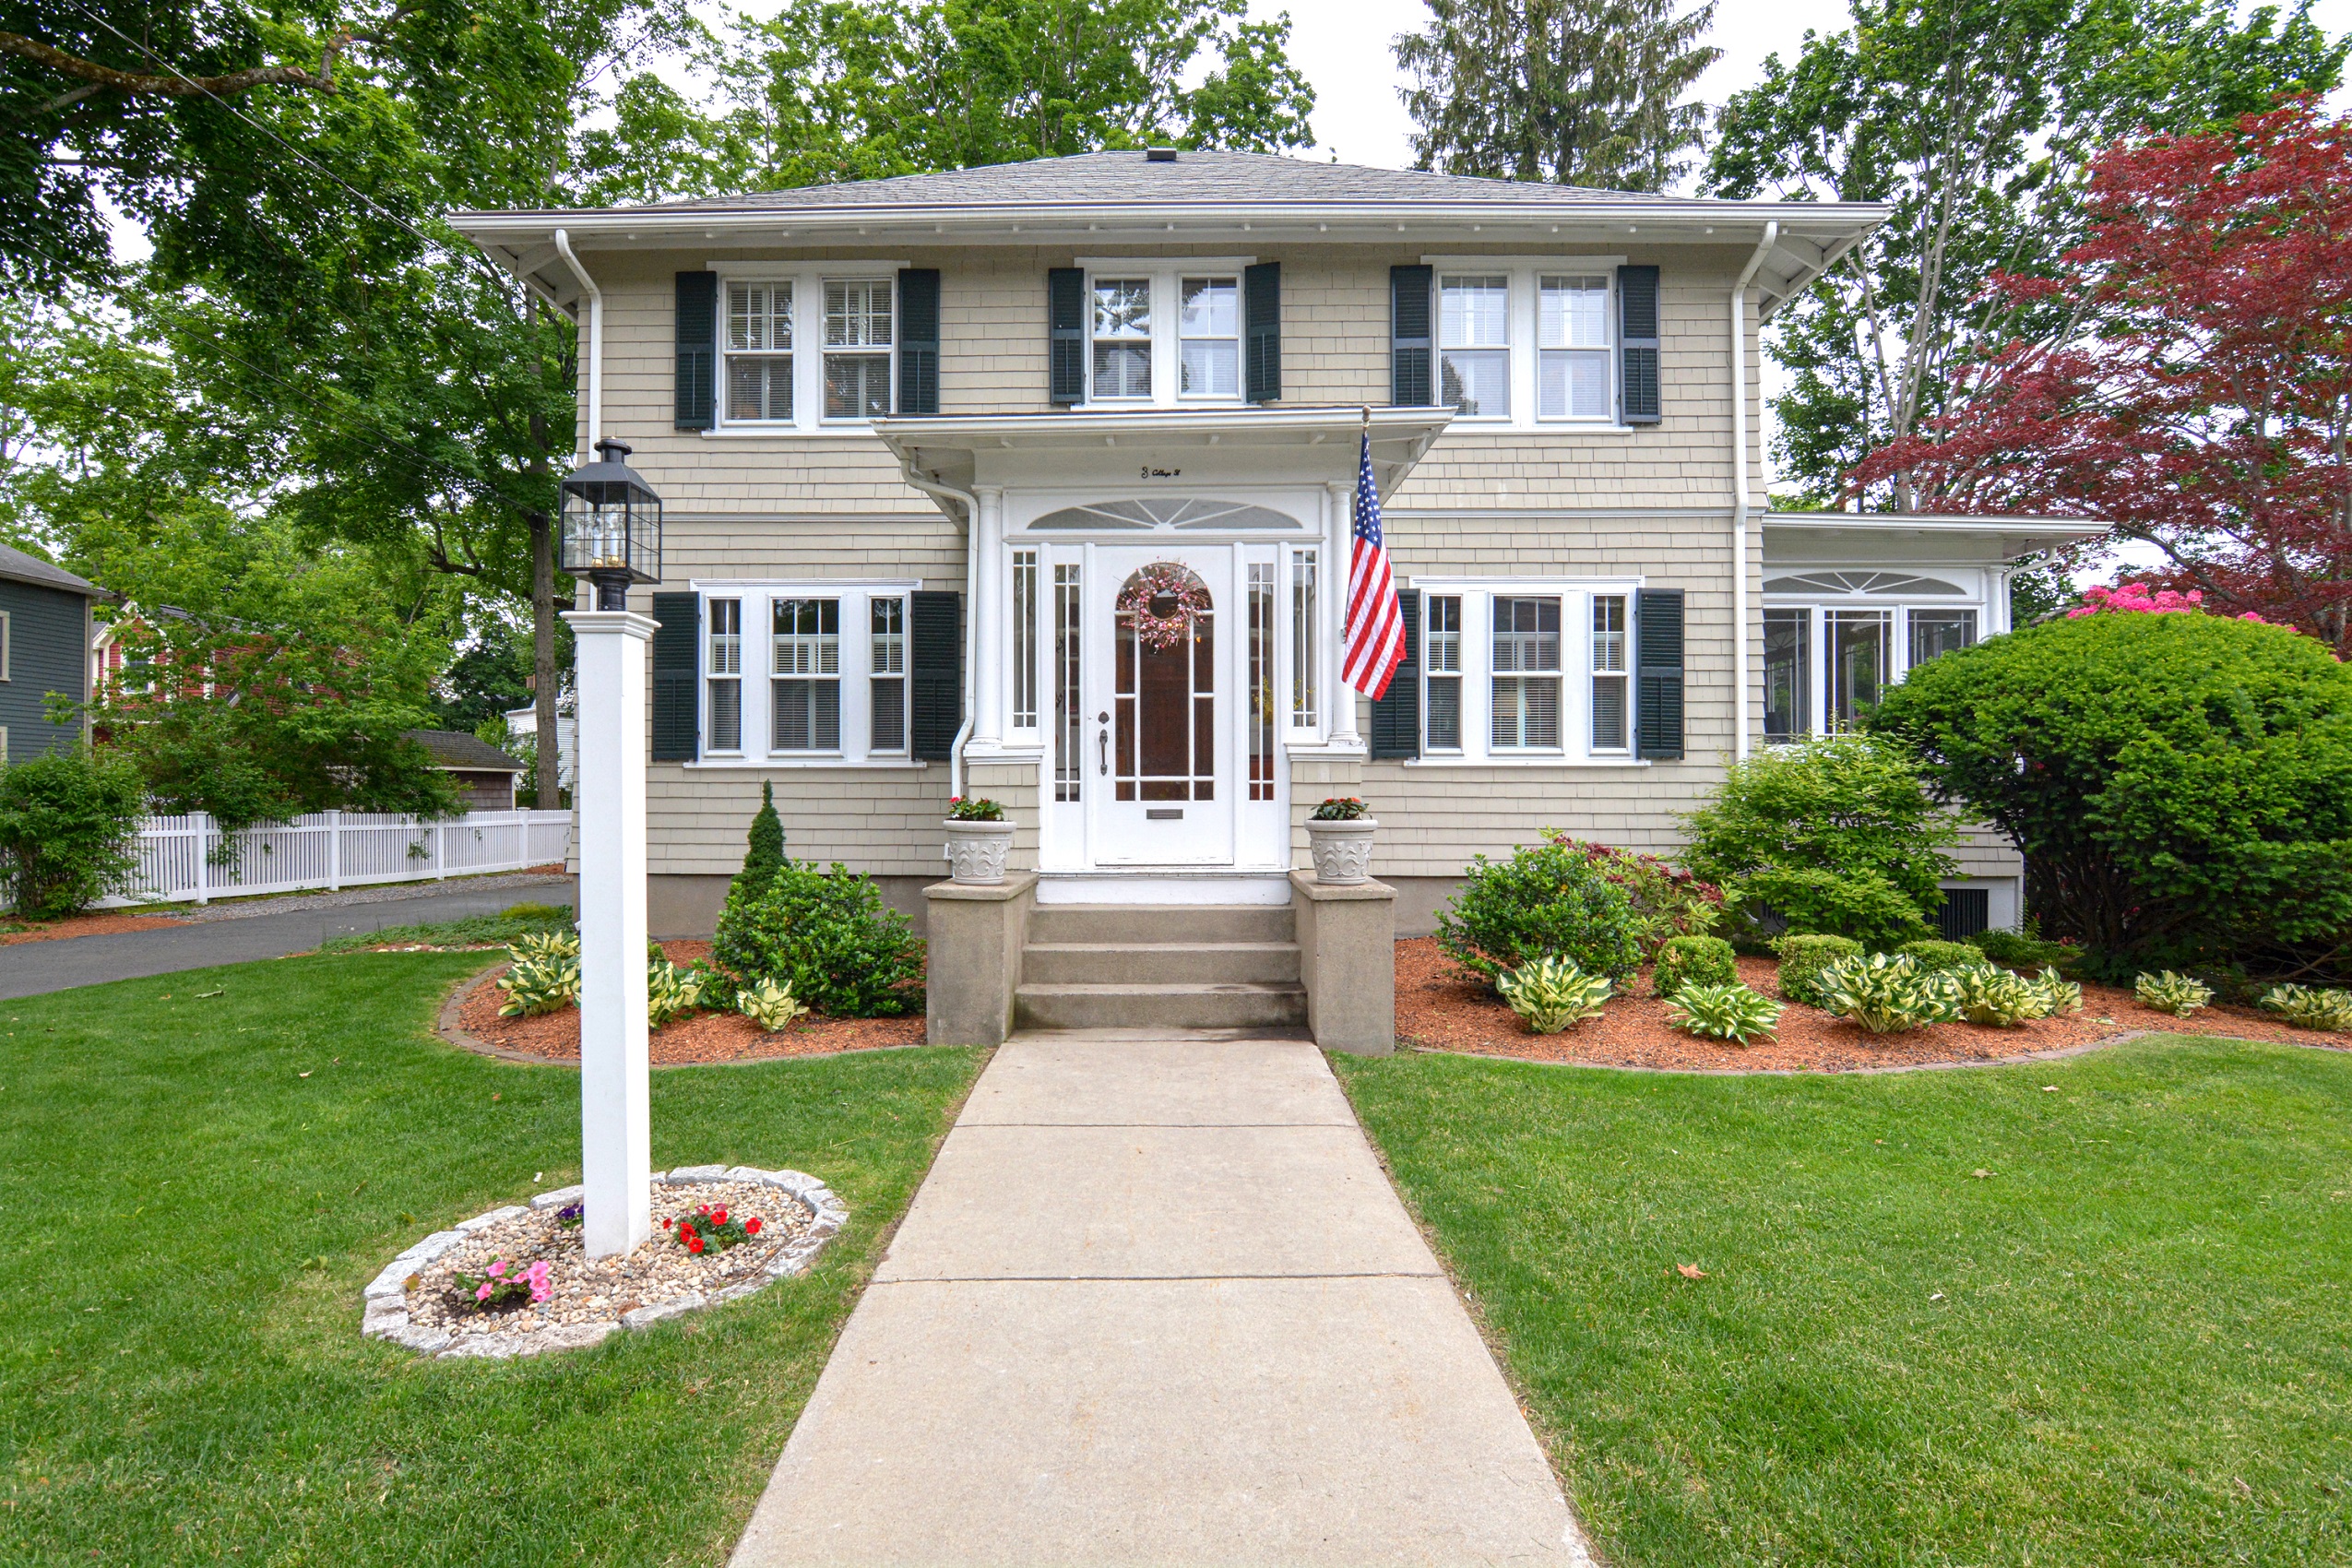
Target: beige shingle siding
882,821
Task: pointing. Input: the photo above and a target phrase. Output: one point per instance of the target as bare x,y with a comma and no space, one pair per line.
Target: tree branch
107,78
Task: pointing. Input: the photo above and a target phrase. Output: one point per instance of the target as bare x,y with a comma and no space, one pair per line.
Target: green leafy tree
68,821
1837,835
1971,119
1573,92
2179,784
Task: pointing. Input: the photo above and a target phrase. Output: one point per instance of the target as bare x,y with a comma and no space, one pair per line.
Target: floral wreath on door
1163,599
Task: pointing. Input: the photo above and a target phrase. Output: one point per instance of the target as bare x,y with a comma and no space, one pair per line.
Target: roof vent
1160,155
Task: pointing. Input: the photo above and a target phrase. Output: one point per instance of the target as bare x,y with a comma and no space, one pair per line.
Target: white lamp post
612,536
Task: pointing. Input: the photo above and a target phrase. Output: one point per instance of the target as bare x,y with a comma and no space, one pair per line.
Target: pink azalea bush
2142,599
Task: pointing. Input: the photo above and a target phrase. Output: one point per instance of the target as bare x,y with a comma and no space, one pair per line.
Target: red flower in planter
751,1226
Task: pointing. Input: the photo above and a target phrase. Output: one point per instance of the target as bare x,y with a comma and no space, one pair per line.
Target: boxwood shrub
1693,960
1803,956
1931,954
1547,899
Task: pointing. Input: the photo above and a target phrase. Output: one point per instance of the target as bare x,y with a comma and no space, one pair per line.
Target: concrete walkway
1157,1304
35,968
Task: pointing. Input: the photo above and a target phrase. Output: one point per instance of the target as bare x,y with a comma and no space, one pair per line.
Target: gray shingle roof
1208,179
17,566
454,748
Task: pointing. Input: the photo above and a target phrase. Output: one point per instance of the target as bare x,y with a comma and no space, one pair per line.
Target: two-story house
945,458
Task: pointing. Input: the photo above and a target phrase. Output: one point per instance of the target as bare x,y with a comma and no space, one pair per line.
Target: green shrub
2168,993
1667,901
824,936
1693,960
769,1005
763,846
1803,956
1886,994
1834,834
2180,785
1983,992
1931,954
2309,1009
2014,950
1723,1012
68,824
544,914
1551,992
1546,899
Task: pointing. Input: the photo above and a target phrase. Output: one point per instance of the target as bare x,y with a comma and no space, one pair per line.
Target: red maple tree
2197,392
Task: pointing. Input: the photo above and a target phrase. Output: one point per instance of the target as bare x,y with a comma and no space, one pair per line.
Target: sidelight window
724,664
887,644
1609,673
1441,655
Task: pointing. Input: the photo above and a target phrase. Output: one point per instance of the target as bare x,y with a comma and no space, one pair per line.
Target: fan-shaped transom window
1167,512
1895,583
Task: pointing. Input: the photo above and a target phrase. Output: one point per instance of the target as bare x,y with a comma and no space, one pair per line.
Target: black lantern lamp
611,526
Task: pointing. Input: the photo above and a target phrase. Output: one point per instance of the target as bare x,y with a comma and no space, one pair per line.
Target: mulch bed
1440,1007
703,1038
107,925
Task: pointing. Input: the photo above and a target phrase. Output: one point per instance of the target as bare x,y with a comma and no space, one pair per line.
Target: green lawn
2126,1343
190,1219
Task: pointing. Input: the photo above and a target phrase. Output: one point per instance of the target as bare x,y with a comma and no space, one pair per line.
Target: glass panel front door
1161,789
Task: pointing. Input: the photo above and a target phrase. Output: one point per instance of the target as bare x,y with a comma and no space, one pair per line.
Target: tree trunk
543,658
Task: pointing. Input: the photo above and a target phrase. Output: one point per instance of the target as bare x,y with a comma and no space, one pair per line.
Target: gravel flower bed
428,1297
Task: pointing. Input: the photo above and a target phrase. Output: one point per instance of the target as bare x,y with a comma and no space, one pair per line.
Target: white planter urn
975,852
1341,850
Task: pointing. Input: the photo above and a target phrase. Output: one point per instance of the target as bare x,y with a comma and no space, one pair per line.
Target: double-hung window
1609,673
1572,358
1525,696
724,662
857,349
1441,657
759,353
1121,332
888,643
806,684
1474,343
1208,338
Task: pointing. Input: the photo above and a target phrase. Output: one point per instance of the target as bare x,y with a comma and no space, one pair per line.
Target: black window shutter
1065,313
1396,717
1412,383
918,340
937,670
677,648
1261,332
1657,674
1637,344
697,329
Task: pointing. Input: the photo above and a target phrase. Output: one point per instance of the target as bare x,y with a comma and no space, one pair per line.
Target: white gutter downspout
1740,483
595,339
971,611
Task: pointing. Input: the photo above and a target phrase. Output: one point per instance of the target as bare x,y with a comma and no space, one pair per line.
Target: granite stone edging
386,1312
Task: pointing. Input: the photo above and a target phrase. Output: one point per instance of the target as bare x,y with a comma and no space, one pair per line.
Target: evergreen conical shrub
763,848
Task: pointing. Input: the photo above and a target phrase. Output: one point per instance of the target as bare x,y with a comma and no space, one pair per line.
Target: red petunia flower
694,1243
751,1226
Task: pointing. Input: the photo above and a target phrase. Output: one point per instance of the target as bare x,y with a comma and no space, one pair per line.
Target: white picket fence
180,856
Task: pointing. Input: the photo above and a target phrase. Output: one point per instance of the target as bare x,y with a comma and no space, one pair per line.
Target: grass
474,930
200,1172
2123,1342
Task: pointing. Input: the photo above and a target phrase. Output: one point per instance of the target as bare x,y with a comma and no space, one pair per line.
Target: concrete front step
1077,1005
1160,963
1112,924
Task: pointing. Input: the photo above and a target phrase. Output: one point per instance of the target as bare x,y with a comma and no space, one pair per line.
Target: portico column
1339,529
988,617
609,787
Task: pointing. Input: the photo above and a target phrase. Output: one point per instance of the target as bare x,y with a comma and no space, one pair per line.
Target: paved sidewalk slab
1156,1304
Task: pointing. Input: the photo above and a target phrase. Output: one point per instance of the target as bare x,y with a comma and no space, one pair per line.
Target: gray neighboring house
45,648
482,773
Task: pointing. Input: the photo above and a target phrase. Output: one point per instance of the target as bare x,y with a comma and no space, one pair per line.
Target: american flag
1375,644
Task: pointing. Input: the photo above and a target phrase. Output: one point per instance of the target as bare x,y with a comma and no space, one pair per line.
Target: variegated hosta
1886,994
2058,994
541,984
2309,1009
669,990
1551,992
545,944
1723,1012
2168,993
769,1005
1986,994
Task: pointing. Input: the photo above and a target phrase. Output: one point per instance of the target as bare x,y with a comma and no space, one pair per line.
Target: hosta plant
1986,994
1886,995
2309,1009
543,982
1551,992
768,1004
671,992
2059,993
545,944
2169,992
1723,1012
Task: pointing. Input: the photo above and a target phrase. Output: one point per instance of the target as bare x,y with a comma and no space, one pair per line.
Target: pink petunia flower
482,1294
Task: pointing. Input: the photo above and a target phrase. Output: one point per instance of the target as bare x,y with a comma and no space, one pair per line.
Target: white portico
1154,628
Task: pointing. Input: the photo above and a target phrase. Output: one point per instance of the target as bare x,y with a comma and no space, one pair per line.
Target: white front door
1162,662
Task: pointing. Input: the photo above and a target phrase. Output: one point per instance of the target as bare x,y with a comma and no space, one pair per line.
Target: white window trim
1899,609
808,280
759,596
1167,275
1525,272
1477,596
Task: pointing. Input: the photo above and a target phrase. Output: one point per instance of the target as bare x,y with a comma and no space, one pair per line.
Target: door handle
1104,738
